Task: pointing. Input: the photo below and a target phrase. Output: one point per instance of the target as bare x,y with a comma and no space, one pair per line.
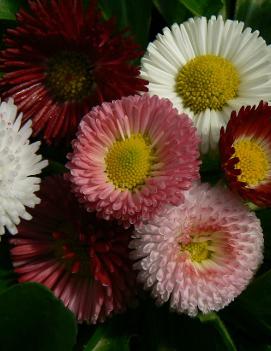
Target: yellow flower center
253,161
198,250
128,162
207,82
69,76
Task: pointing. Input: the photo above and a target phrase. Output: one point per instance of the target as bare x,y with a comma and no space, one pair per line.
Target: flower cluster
131,207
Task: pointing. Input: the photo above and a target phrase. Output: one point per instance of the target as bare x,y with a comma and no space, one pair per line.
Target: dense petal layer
61,60
20,167
201,254
113,144
84,261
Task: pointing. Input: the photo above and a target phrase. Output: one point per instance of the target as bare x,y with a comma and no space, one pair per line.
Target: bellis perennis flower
208,68
19,166
84,261
245,149
132,156
201,254
61,60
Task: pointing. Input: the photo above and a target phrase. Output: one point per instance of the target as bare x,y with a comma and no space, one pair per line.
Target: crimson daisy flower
61,60
83,260
245,148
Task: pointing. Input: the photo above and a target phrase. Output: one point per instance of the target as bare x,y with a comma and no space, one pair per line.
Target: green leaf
172,11
255,14
32,319
7,275
215,320
202,7
209,335
251,310
132,14
7,278
105,339
264,215
8,8
228,9
180,10
166,331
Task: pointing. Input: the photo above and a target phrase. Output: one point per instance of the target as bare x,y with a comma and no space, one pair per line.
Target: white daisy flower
208,68
18,164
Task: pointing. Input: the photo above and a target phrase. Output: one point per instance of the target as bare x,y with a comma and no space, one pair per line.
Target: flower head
61,60
19,166
245,148
209,68
83,260
201,254
133,155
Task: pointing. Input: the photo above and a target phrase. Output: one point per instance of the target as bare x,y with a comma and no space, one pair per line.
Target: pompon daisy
83,260
133,155
19,166
61,60
208,68
201,254
245,149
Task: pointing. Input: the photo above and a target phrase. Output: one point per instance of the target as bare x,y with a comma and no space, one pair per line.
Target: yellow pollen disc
69,76
198,250
253,161
207,82
128,162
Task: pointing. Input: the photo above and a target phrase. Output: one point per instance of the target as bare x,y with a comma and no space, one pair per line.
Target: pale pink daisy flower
133,155
201,254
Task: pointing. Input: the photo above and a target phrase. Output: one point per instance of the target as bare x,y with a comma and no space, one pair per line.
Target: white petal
18,162
248,53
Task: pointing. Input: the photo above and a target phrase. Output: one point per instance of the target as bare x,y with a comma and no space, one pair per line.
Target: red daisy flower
83,260
245,148
61,60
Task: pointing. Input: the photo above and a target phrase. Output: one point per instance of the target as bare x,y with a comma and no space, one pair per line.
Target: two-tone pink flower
132,156
201,254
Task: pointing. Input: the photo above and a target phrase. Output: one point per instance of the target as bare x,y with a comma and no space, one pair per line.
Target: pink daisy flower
83,260
61,60
201,254
133,155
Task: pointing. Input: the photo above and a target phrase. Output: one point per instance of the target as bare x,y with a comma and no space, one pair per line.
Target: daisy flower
133,155
83,260
19,166
208,68
61,60
201,254
245,149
